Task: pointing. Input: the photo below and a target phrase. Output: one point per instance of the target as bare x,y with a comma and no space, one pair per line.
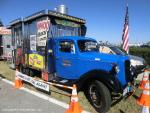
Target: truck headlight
117,69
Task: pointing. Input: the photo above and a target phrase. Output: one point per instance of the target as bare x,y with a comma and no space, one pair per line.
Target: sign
24,77
41,38
34,82
43,25
42,32
33,42
67,23
41,85
36,60
5,31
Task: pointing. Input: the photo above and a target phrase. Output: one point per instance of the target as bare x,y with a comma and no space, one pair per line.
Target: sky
105,18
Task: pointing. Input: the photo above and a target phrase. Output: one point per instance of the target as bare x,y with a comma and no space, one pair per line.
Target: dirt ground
128,105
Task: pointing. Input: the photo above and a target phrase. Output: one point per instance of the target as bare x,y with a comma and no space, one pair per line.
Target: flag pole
125,35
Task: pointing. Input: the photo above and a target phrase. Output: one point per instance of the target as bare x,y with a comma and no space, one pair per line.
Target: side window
67,47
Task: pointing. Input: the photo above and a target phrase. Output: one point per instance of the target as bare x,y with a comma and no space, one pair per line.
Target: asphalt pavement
18,101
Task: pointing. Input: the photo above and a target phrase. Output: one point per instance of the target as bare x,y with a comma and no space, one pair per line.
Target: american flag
125,35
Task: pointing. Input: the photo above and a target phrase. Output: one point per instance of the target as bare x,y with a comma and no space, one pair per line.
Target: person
72,48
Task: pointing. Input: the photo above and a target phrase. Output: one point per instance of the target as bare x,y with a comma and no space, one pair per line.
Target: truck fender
107,78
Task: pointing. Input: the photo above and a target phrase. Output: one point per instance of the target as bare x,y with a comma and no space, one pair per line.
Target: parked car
137,63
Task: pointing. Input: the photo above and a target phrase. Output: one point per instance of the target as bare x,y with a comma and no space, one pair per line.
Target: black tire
99,96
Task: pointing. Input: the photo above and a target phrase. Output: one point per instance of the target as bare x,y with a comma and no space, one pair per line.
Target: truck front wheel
99,96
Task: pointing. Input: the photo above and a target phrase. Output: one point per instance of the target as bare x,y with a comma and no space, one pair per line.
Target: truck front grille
127,71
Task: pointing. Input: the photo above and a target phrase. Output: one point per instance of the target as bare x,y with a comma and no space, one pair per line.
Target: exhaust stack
62,9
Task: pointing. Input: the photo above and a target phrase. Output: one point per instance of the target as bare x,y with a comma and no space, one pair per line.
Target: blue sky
105,18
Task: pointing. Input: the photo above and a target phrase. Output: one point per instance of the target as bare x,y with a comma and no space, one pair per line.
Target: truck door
66,60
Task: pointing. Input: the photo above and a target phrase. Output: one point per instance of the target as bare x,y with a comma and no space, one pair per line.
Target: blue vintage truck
54,46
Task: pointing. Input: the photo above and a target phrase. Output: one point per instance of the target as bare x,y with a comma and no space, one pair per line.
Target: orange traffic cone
74,105
144,99
144,79
18,82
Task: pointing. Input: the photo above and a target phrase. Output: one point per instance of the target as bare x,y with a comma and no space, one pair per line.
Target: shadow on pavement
135,96
2,76
121,111
116,102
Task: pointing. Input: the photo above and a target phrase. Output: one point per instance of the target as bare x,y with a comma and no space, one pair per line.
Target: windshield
87,46
117,51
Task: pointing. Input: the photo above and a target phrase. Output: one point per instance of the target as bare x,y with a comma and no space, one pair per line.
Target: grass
124,106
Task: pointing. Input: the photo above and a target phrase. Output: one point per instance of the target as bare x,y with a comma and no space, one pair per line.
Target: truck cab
76,56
